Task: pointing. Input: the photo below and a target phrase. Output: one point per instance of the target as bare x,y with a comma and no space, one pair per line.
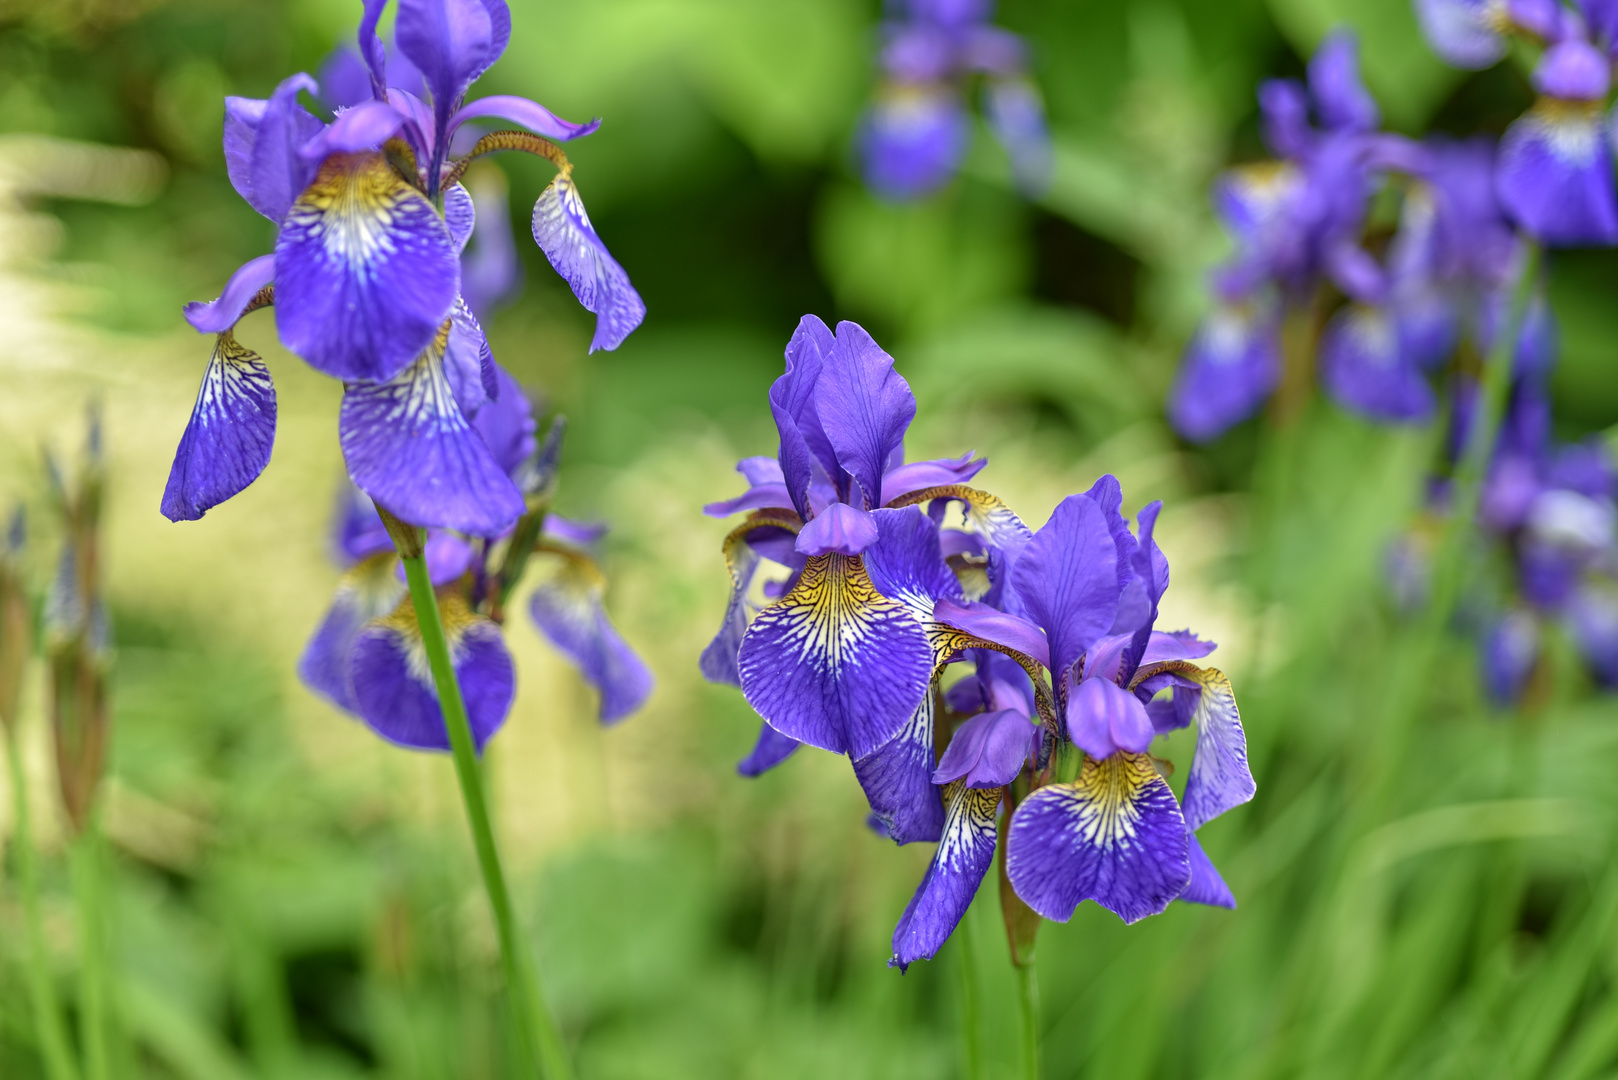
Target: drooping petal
409,447
946,890
1067,579
365,271
460,216
393,687
1115,835
1206,886
452,42
1220,777
569,609
1230,367
898,780
1366,370
906,562
838,529
262,144
916,475
529,114
833,663
1555,174
217,316
369,590
718,662
865,408
563,232
912,140
1104,718
227,442
988,751
771,749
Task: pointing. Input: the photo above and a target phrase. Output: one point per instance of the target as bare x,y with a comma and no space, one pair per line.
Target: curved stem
53,1045
92,950
971,1025
536,1027
1028,1006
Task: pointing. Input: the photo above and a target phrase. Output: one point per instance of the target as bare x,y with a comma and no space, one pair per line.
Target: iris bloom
366,276
367,656
916,132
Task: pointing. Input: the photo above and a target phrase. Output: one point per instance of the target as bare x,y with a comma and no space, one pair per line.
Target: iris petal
227,443
834,663
1366,370
563,232
916,475
718,661
946,891
530,114
1067,579
217,316
460,215
393,688
1206,886
912,140
1230,367
898,780
452,42
569,611
368,591
365,271
770,750
1114,835
907,563
865,407
1220,777
1555,174
409,446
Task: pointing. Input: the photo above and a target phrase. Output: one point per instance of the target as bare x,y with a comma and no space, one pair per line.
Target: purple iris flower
367,658
915,134
367,277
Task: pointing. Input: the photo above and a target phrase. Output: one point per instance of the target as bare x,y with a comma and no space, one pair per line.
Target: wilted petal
771,749
913,140
227,442
1067,579
1114,835
570,611
1230,368
988,751
898,780
865,407
217,316
1206,886
409,447
365,271
563,232
1366,370
833,663
529,114
393,687
1555,174
367,591
946,891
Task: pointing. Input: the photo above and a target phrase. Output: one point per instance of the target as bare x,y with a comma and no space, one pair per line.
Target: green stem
971,1025
87,884
53,1045
535,1026
1028,1005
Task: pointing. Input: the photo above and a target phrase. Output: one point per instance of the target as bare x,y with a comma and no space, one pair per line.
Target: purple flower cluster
367,277
917,131
1383,316
859,581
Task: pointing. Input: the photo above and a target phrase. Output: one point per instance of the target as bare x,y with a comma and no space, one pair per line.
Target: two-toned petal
408,446
365,271
369,590
1366,368
834,663
1230,368
1555,174
227,442
913,140
393,687
563,232
1115,835
569,609
1220,777
964,854
898,780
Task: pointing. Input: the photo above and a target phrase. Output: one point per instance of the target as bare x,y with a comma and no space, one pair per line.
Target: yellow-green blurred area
1426,887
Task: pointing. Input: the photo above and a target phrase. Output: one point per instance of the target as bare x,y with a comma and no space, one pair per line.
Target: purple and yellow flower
368,279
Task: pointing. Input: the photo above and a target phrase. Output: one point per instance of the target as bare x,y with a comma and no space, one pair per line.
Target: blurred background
293,898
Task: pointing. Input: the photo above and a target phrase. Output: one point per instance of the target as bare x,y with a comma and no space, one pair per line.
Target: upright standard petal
1334,83
570,610
804,450
452,42
563,232
1114,835
368,591
217,316
1067,579
263,141
1367,371
393,687
1555,174
365,271
898,780
834,663
946,891
227,442
409,447
865,407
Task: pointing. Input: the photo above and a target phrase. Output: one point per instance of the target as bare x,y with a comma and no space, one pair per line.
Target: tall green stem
87,881
1028,1006
535,1026
971,1025
53,1044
